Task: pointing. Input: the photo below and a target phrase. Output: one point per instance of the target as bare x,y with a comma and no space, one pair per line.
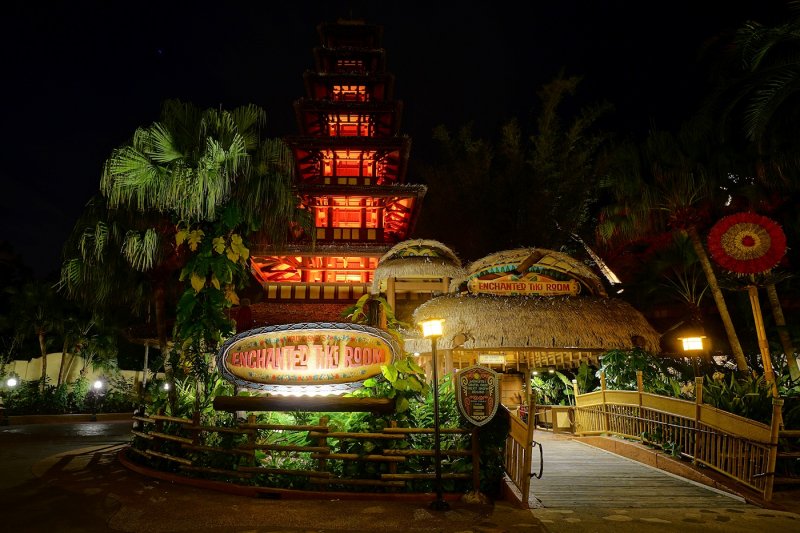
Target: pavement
88,489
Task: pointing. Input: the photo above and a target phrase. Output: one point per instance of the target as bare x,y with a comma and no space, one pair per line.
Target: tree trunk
63,362
43,350
160,302
780,324
716,292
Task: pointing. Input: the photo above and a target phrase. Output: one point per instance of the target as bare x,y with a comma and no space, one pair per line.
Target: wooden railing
737,447
182,442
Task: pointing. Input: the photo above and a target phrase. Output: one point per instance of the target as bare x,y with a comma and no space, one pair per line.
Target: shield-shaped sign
478,393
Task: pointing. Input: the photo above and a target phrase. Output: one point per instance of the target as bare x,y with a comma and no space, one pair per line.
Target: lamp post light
692,344
10,383
97,387
432,329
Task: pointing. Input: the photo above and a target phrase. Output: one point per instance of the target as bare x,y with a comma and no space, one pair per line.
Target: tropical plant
586,378
749,396
659,375
666,183
551,388
181,173
755,103
37,313
544,172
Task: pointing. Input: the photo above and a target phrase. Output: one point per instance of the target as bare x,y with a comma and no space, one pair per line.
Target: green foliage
402,380
586,377
749,396
30,397
120,396
659,375
552,389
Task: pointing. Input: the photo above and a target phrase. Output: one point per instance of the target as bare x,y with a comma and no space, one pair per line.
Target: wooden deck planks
579,475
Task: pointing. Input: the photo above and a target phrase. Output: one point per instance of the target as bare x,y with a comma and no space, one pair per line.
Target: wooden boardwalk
579,475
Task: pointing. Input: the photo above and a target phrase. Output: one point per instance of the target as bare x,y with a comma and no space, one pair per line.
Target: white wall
32,370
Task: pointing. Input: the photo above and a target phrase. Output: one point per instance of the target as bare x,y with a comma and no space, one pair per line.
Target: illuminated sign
478,393
533,284
492,359
306,358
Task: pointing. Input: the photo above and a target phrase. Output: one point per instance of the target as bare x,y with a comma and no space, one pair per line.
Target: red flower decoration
746,243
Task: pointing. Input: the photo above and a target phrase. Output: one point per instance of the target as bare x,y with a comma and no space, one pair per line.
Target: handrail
740,448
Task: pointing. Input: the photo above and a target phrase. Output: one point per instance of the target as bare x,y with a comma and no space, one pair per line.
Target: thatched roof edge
414,267
444,249
515,256
588,323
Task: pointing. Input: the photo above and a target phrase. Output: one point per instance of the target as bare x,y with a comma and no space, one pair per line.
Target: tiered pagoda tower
351,163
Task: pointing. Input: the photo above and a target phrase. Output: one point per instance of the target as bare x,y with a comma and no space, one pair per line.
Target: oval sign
306,358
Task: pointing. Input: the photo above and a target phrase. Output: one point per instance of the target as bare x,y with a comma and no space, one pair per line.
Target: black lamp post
433,329
97,391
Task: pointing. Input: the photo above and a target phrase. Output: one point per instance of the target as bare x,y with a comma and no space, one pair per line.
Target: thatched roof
485,321
417,258
507,260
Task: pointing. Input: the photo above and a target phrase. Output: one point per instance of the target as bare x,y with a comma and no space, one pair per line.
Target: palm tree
757,106
534,185
182,170
37,312
664,185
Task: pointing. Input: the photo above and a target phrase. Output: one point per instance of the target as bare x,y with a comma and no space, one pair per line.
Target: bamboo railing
737,447
517,458
181,442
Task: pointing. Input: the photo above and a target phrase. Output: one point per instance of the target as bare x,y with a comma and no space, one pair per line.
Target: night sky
79,77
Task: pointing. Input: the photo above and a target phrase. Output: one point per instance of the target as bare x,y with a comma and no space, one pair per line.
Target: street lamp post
433,329
692,344
98,390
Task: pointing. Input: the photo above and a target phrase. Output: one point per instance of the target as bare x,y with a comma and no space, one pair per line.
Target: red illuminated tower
351,163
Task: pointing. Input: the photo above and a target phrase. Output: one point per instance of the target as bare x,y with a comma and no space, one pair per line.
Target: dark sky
79,77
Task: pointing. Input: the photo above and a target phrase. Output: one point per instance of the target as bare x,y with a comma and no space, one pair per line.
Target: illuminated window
349,125
316,269
346,218
348,163
350,93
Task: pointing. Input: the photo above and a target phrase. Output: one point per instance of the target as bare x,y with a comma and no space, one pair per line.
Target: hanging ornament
746,243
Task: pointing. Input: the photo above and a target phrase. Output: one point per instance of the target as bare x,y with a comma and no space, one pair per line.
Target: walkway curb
20,420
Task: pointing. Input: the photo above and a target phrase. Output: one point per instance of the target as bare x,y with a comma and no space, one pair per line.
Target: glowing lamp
692,344
97,385
11,382
432,327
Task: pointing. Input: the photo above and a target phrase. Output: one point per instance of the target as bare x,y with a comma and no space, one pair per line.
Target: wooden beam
303,403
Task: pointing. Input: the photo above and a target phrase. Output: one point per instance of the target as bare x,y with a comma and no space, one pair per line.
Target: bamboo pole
763,345
606,423
775,426
698,405
783,334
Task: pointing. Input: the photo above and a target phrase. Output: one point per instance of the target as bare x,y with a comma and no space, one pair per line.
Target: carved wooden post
606,417
251,439
576,391
775,426
639,423
698,406
323,441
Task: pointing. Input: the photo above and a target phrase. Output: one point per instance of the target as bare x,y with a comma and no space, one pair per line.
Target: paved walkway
584,488
88,490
